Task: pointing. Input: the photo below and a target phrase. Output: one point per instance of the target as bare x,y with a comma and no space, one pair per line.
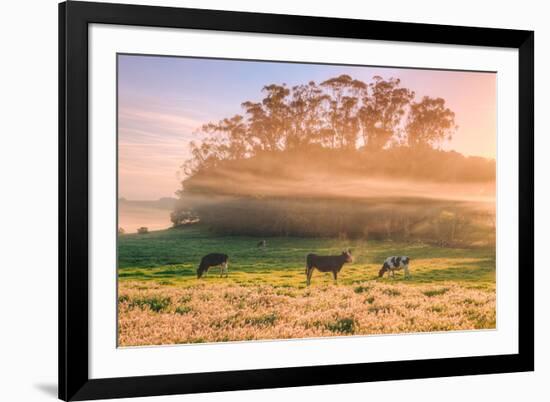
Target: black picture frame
74,381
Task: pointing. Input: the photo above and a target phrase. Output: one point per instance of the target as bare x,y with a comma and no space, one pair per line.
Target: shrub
183,310
437,309
154,303
435,292
185,299
379,309
343,326
143,230
362,289
391,292
263,320
121,231
123,298
182,216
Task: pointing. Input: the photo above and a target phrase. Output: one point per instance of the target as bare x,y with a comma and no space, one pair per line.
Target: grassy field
162,302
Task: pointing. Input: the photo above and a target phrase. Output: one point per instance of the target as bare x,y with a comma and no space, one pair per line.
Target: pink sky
163,100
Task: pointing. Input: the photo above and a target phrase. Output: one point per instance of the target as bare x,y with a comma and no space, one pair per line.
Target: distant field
162,302
154,215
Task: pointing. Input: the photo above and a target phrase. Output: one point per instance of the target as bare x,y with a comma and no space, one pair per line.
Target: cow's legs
406,270
309,273
226,268
335,275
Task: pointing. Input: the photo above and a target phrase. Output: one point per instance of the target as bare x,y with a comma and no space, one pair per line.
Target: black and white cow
213,260
392,264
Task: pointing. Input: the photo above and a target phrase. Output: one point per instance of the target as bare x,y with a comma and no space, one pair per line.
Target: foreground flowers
152,314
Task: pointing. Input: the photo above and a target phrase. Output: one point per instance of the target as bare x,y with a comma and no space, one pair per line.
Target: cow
261,244
213,260
395,263
327,263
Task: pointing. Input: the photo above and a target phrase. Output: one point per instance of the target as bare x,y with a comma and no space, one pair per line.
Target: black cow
326,263
213,260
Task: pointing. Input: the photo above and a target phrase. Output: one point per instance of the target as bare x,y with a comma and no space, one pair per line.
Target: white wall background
28,200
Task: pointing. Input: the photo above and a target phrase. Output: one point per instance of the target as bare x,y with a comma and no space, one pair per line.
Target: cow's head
201,270
347,255
383,270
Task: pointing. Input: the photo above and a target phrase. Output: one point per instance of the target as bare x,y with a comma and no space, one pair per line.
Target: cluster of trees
435,221
268,171
339,113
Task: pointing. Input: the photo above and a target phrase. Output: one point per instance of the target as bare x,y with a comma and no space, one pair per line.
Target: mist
338,186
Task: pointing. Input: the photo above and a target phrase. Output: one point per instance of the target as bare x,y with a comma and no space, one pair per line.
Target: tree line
338,113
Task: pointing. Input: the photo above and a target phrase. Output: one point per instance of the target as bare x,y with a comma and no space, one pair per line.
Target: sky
162,101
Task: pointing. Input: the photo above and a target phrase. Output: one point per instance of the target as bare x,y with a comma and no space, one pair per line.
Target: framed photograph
258,201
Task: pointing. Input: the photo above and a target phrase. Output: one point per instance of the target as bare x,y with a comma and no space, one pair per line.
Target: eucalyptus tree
308,105
342,115
429,123
384,106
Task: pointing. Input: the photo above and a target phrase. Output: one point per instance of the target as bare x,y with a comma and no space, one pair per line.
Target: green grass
170,258
156,304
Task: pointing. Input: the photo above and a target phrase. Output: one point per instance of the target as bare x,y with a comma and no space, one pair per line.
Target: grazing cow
326,263
261,244
213,260
392,264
